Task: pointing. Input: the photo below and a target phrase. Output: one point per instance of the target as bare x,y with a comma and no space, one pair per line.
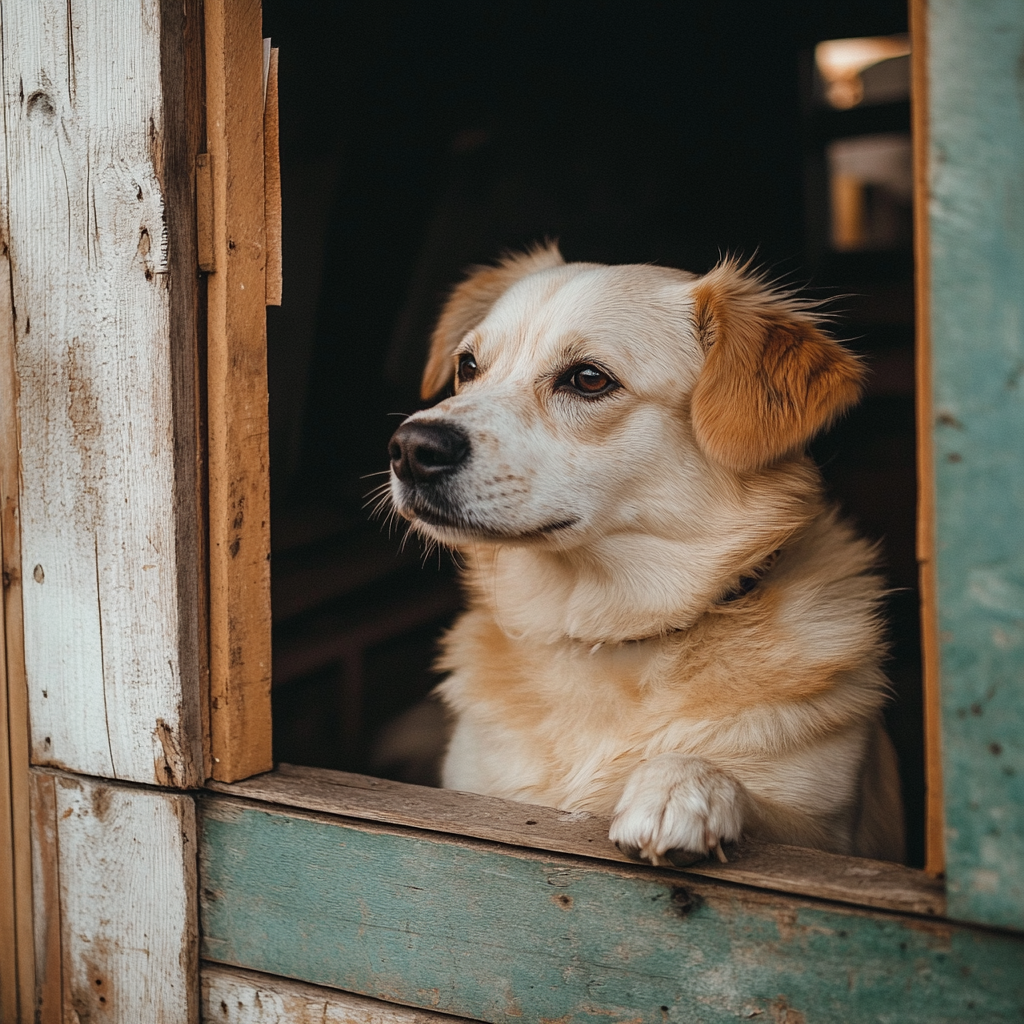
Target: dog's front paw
675,810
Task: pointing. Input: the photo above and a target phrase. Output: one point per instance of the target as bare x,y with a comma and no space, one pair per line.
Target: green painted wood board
501,934
976,220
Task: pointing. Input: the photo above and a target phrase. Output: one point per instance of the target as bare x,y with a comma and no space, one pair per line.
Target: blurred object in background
865,70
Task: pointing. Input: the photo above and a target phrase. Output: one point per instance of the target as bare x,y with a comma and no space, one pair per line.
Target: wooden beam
499,933
239,492
782,868
935,852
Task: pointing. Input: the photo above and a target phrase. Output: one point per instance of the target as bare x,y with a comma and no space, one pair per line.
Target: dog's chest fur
564,723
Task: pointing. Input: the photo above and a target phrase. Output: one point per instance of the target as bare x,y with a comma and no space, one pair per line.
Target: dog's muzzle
425,453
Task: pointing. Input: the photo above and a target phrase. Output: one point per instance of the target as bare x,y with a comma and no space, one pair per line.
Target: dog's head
593,400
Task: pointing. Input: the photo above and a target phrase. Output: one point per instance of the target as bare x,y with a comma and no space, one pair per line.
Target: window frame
214,716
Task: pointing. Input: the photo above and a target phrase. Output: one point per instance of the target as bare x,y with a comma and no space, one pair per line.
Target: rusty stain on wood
168,754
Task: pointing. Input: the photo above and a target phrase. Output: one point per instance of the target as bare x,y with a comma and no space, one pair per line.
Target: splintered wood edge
272,185
237,996
789,869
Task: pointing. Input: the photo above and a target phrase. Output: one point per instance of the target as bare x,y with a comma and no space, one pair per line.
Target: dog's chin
454,529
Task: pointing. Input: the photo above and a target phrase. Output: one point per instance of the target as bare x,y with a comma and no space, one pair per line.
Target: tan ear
771,379
471,301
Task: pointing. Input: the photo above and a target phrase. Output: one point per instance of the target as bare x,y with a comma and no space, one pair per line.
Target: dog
668,623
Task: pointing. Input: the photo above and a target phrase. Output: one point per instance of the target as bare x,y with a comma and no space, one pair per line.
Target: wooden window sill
788,869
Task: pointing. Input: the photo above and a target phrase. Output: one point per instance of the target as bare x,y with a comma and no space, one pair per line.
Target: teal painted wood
504,934
976,114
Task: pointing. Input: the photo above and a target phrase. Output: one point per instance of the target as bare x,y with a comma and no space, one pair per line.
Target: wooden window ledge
789,869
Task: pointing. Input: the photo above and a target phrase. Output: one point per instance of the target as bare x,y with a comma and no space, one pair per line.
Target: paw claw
677,810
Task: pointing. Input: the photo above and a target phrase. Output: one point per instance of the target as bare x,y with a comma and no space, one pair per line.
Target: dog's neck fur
635,584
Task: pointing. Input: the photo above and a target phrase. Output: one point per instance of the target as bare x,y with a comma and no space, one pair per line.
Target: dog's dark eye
588,380
467,368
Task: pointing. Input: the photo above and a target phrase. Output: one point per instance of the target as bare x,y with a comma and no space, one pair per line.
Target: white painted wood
125,872
110,638
232,996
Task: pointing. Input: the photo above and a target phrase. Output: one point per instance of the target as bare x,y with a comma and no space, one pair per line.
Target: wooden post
934,814
100,527
237,396
975,270
103,283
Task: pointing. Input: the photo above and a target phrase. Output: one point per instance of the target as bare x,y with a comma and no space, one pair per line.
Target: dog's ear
771,379
471,301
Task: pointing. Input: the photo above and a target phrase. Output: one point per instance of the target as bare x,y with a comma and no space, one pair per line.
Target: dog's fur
610,660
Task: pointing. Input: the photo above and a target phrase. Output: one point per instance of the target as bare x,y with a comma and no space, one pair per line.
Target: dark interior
418,139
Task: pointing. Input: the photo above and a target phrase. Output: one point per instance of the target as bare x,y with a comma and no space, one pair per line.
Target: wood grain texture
272,186
239,490
231,996
935,846
17,965
501,934
48,982
781,868
17,968
8,886
976,253
205,256
117,885
107,500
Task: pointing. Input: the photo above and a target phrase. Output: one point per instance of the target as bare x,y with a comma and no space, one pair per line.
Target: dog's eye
588,380
467,368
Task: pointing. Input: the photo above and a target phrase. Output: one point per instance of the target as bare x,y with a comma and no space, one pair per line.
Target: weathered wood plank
498,933
8,886
107,500
240,663
231,996
17,968
935,848
976,153
48,981
116,877
782,868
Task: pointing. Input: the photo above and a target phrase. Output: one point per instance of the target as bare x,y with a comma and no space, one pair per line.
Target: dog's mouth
468,529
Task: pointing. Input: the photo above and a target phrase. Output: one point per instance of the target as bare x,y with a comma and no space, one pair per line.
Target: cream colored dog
667,623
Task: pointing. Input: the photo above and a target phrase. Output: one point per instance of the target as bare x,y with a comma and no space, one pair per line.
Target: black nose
424,452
